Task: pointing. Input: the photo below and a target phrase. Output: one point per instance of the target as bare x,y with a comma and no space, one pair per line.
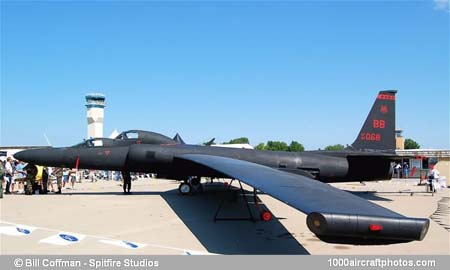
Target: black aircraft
297,179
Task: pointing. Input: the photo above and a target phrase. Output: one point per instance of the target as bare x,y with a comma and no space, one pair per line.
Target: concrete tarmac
156,219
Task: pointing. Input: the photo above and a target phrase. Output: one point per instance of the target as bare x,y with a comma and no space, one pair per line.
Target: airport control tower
95,104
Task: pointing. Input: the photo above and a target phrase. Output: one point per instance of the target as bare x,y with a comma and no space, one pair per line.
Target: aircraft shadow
360,242
369,195
231,237
109,193
222,237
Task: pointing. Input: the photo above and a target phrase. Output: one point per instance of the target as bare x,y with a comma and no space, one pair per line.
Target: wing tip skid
367,227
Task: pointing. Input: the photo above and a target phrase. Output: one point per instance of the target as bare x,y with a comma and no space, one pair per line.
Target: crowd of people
18,177
401,171
21,178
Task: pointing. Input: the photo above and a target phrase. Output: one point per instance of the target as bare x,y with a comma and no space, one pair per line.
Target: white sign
63,239
18,230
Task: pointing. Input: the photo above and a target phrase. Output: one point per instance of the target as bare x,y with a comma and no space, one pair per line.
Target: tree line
295,146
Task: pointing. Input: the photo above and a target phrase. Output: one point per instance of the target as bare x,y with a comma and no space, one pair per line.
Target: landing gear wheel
266,216
185,188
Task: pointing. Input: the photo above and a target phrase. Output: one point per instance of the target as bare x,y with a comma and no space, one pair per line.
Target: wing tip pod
373,228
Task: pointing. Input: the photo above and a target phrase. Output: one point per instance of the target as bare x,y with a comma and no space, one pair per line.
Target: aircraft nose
27,155
18,155
42,156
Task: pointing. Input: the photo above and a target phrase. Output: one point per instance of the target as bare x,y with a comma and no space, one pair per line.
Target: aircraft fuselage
326,166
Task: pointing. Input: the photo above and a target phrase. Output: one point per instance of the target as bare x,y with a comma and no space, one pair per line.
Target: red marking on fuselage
386,97
77,163
107,152
384,109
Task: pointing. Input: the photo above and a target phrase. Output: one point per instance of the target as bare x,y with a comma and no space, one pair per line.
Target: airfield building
95,104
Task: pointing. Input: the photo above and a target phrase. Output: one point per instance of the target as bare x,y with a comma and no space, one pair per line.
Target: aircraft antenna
46,138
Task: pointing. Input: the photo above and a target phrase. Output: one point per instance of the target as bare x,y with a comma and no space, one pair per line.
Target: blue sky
305,71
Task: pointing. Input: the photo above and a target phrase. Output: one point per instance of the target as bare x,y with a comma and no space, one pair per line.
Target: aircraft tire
185,189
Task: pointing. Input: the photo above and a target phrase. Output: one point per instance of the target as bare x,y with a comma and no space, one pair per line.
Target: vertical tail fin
178,139
378,132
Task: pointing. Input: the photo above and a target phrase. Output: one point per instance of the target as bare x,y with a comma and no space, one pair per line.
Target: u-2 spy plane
297,179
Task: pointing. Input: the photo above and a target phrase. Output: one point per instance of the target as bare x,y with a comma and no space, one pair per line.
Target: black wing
331,211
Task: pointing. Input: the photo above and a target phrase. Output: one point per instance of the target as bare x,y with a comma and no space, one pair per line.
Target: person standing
433,178
8,175
126,182
13,178
45,177
38,179
73,177
435,172
405,170
59,176
398,168
65,177
30,178
50,181
2,174
21,174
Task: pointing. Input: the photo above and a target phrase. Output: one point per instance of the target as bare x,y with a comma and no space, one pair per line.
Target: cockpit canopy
128,138
145,137
97,142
